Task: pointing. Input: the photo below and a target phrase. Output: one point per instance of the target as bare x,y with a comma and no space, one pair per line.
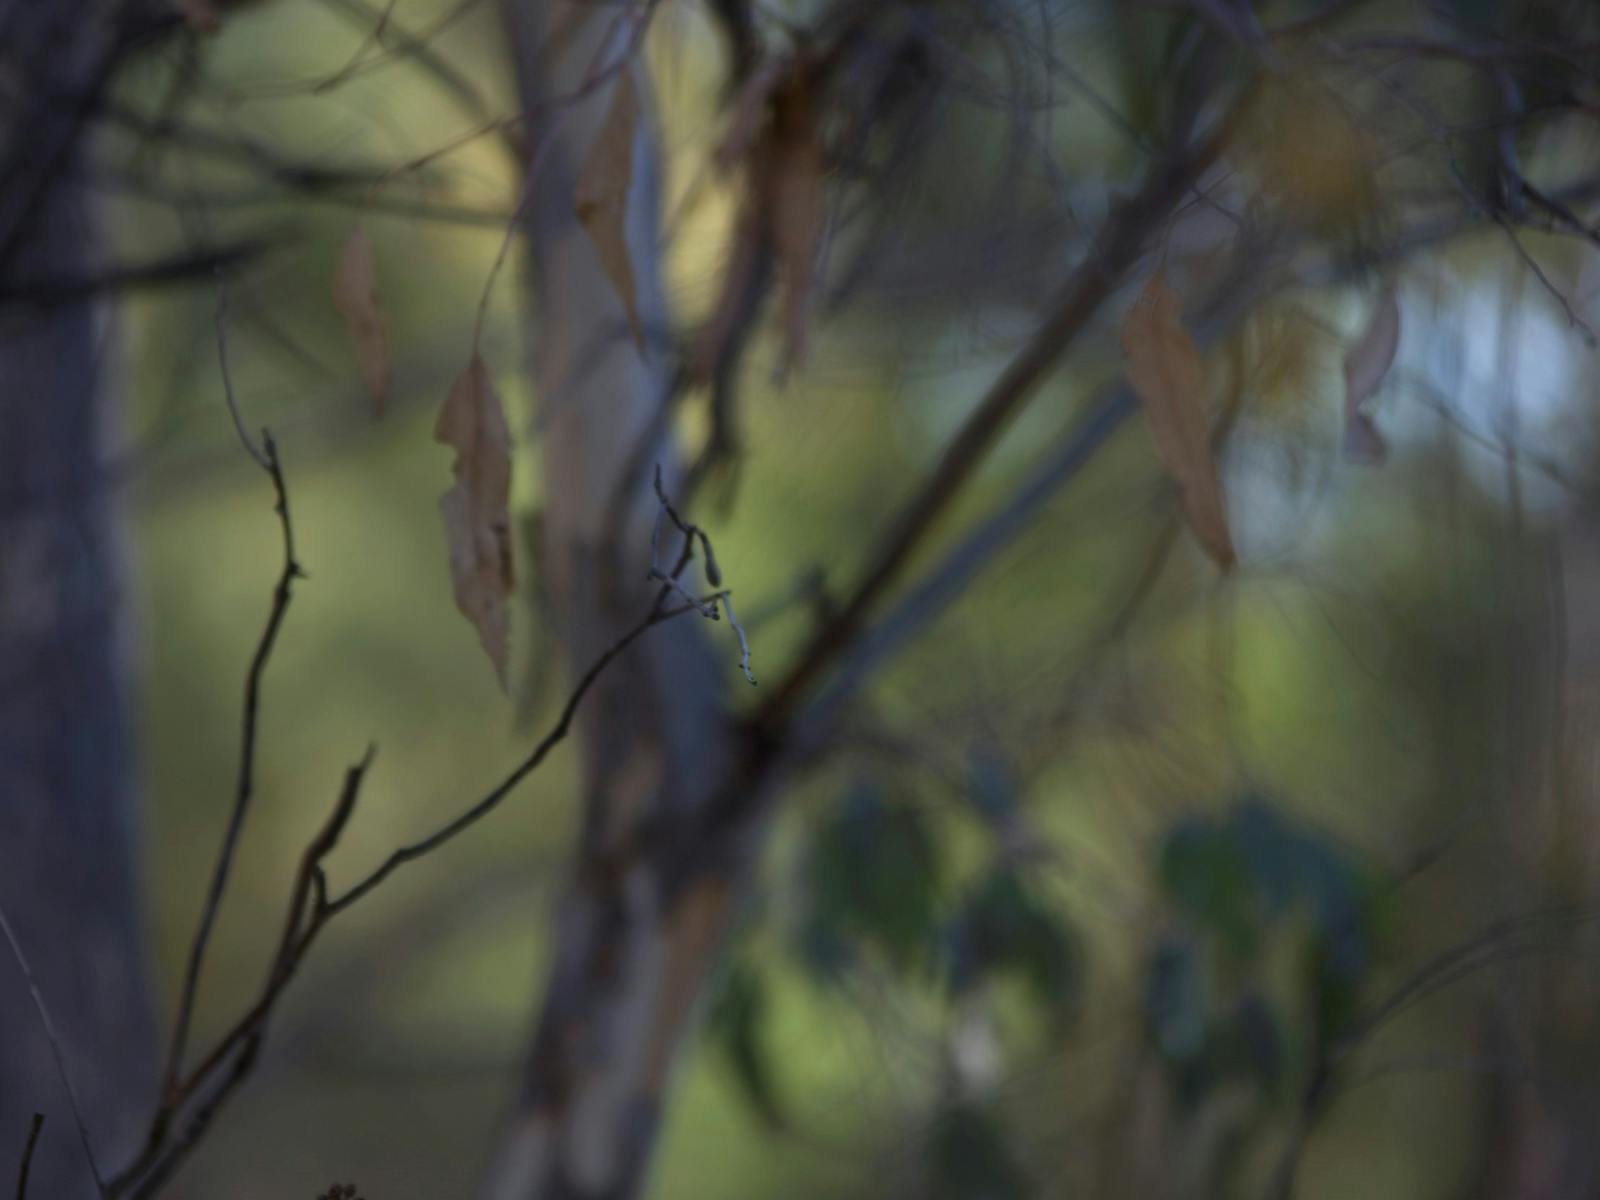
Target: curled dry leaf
1365,366
602,195
355,295
476,510
1166,373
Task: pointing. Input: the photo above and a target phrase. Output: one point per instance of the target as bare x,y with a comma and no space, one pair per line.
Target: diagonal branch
1238,296
1127,232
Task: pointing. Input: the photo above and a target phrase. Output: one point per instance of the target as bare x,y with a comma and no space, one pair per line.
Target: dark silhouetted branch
245,788
34,1127
173,269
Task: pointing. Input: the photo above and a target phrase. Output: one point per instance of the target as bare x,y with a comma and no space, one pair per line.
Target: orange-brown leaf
602,195
476,509
355,295
1167,375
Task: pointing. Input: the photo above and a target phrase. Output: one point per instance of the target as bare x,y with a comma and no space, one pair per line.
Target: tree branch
208,1086
282,594
1123,240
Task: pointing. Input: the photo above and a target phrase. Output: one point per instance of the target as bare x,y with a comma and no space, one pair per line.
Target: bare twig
558,733
43,1012
219,1074
671,580
27,1155
180,268
228,394
245,787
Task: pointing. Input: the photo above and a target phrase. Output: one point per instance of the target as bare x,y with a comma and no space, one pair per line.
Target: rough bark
638,924
68,823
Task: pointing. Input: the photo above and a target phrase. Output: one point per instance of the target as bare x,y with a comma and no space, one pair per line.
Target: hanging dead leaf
602,195
1365,366
1166,373
794,165
476,509
355,295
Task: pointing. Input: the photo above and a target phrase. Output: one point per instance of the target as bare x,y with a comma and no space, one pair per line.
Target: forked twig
245,788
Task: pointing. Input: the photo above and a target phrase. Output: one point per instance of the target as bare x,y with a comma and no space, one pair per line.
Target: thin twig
27,1155
309,912
220,320
671,582
43,1011
744,641
531,763
282,594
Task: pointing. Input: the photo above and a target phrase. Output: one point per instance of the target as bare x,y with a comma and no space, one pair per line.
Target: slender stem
49,1025
27,1155
245,787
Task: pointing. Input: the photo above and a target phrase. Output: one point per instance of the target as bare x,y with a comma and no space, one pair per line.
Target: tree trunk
67,818
641,917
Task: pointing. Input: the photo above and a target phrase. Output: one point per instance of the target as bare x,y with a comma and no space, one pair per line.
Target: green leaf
1004,928
874,873
1205,873
1177,1000
737,1024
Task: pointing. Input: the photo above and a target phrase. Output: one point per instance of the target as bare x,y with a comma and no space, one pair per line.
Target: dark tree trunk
68,824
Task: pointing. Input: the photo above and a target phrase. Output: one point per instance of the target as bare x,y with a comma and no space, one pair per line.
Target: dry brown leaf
355,295
796,203
1166,373
602,196
1365,366
476,510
